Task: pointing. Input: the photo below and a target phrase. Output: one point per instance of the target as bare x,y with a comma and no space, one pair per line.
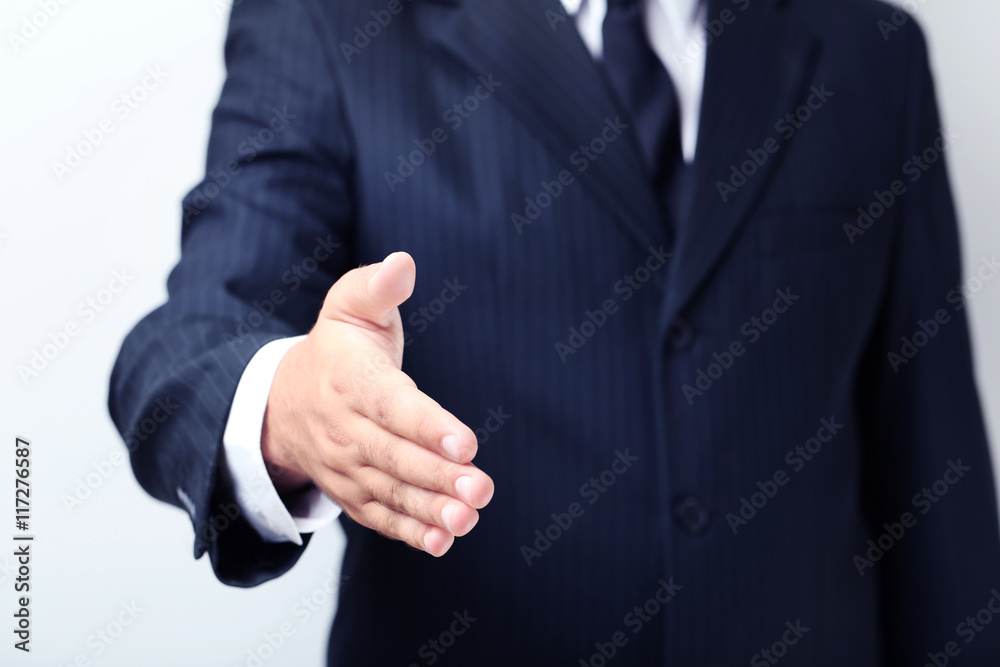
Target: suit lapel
756,71
551,83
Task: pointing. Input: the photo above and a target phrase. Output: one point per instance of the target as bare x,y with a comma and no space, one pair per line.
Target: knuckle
385,456
374,516
416,541
390,526
385,399
423,422
376,452
352,503
441,475
335,432
357,514
405,381
390,495
382,407
332,293
332,453
361,509
396,493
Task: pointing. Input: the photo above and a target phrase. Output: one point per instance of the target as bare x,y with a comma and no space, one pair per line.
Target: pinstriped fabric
648,407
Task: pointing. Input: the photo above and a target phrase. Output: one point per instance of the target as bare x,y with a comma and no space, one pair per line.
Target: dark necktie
646,92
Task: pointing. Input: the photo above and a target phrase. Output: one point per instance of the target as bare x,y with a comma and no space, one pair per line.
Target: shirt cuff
243,461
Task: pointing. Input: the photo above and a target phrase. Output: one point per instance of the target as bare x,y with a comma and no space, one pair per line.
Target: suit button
692,515
681,336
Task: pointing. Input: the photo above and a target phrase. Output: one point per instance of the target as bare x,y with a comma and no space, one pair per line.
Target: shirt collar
686,8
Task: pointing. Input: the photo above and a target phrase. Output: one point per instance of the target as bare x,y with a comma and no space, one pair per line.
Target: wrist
286,479
285,475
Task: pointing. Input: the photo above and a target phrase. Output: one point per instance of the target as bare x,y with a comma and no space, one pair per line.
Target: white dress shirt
676,31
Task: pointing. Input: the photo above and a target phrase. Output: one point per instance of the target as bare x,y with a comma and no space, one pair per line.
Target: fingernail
427,544
448,517
464,487
449,444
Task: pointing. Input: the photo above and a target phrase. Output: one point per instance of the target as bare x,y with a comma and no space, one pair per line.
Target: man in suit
688,291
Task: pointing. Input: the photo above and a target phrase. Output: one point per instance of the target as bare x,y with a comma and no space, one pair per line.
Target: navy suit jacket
756,432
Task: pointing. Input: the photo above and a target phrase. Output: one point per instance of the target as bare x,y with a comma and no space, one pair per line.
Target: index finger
396,404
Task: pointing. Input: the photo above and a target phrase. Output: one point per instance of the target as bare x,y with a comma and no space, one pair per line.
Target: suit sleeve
264,236
926,451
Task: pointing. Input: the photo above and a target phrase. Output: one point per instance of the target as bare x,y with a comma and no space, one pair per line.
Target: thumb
372,293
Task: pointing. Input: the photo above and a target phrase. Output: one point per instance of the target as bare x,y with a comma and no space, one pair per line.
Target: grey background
60,242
